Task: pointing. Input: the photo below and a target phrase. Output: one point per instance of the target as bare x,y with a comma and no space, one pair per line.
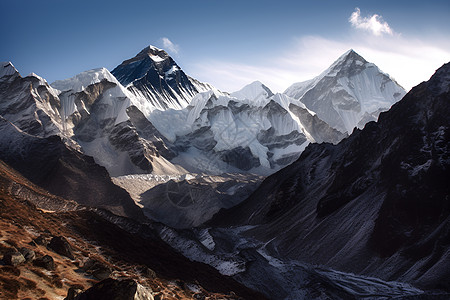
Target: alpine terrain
376,204
145,183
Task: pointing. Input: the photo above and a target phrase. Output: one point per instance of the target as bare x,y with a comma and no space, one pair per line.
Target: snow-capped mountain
375,204
350,93
153,75
29,102
117,120
250,130
109,123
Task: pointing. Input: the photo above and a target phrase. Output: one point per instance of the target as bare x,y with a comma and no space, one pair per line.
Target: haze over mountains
148,142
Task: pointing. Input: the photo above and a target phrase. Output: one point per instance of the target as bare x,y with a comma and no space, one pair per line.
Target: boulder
72,293
146,271
60,245
114,289
40,240
28,254
13,258
45,262
97,269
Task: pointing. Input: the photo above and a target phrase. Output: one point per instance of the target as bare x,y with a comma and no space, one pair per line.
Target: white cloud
374,23
169,46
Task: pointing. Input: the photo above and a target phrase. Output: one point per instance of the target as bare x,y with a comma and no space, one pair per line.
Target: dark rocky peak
152,74
149,52
439,83
153,51
352,55
8,70
150,60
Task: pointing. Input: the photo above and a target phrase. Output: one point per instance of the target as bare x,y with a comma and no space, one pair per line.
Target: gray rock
146,271
60,245
40,240
72,293
28,254
45,262
97,269
112,289
13,258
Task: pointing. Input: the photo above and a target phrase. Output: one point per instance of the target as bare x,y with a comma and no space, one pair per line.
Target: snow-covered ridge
84,79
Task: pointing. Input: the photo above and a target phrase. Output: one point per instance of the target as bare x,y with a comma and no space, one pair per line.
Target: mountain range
155,118
375,204
351,207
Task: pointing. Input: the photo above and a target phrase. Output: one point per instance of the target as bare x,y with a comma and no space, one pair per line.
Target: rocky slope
53,254
375,204
350,93
153,75
51,164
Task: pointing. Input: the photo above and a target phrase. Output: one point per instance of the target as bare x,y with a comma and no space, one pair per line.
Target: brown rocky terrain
76,248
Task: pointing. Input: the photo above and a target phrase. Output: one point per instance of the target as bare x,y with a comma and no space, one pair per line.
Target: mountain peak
440,81
152,74
349,93
351,54
255,90
152,52
349,59
7,69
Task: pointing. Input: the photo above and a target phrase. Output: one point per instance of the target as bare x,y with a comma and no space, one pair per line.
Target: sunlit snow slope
350,93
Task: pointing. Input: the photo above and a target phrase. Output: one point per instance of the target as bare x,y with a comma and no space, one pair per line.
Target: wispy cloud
374,24
408,60
169,46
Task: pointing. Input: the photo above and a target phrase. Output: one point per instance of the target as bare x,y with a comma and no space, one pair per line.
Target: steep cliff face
377,203
30,102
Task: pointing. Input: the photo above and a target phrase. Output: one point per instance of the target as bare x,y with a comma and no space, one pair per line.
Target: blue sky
227,43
